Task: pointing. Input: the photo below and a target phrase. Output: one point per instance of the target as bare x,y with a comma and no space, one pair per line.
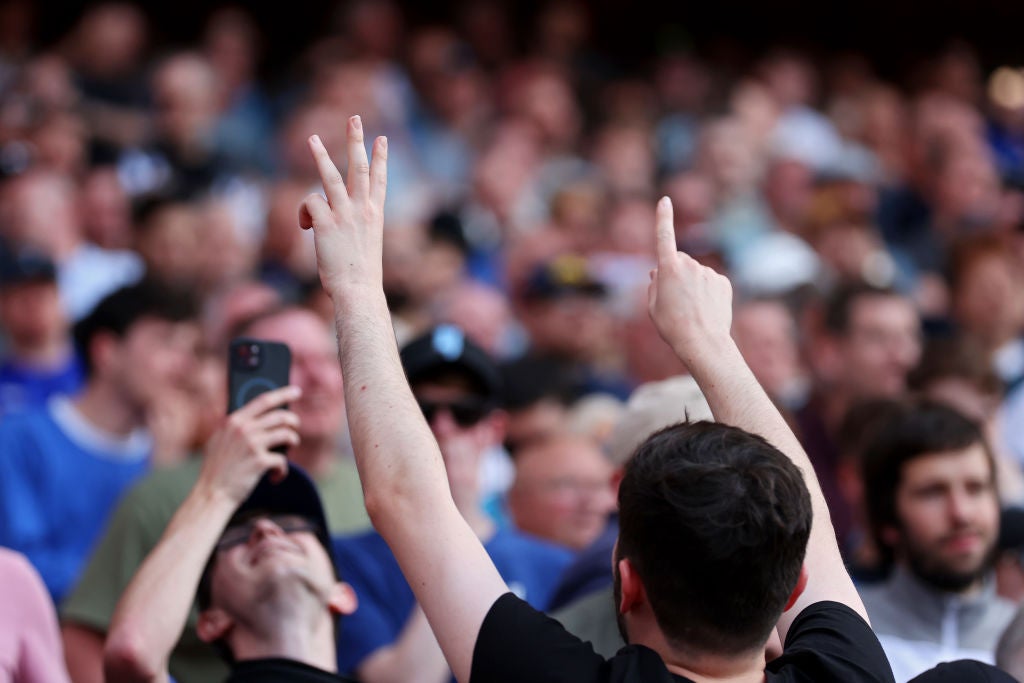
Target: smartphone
255,367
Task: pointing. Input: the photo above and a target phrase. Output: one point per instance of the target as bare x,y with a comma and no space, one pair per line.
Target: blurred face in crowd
626,159
948,514
154,357
766,336
39,210
880,346
788,189
481,312
185,93
321,408
535,424
227,254
571,324
110,38
988,300
103,206
170,243
629,228
464,425
563,491
31,314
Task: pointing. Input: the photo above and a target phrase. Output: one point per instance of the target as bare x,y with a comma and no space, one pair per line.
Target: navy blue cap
565,275
446,348
18,266
296,494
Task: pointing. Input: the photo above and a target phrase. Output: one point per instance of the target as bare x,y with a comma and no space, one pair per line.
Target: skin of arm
691,306
83,652
413,658
400,466
154,608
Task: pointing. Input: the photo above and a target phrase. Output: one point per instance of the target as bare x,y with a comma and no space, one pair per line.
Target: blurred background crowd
873,228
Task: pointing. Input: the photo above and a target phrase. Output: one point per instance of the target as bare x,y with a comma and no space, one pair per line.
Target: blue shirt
23,387
61,479
529,566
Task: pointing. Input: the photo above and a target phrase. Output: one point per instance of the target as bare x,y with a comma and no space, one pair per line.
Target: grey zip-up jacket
920,626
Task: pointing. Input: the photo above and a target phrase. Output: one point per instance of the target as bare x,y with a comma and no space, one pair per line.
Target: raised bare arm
691,305
400,465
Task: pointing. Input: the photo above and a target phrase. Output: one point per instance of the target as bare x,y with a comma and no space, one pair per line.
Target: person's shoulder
366,558
175,481
15,567
161,491
830,641
512,543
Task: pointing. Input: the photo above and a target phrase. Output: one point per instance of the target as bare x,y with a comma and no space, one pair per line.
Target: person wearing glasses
250,545
458,388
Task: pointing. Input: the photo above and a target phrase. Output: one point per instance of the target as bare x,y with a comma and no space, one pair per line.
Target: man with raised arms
724,536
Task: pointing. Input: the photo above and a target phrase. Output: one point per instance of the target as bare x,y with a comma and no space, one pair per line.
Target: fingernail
384,144
316,140
357,123
663,201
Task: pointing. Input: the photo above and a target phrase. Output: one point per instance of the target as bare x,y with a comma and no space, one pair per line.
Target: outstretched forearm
404,482
399,462
154,609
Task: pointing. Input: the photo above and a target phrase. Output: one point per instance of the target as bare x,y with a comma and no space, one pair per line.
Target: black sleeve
831,642
517,643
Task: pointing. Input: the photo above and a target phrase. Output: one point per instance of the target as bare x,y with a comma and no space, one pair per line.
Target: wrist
212,500
706,350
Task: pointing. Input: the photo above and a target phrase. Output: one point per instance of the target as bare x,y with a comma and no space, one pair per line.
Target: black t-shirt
278,670
827,642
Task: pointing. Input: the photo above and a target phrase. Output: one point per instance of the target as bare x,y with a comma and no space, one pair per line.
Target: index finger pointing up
666,231
334,186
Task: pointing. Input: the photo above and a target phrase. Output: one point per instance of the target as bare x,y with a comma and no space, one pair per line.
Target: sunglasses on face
238,534
466,412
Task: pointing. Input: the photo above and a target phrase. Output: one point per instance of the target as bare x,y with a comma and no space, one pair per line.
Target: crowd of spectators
873,233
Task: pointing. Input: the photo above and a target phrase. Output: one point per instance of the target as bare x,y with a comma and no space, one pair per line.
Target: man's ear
801,584
214,624
632,593
342,599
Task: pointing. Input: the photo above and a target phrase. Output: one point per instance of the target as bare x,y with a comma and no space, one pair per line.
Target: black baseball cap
19,266
964,671
446,348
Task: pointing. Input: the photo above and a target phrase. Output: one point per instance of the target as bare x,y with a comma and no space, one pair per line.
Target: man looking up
143,514
715,521
931,494
251,540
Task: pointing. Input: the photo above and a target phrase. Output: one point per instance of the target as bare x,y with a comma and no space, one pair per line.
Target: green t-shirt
136,527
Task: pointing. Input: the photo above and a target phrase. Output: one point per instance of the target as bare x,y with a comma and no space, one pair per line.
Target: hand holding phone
256,366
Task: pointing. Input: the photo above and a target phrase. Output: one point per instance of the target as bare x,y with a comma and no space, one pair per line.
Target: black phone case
247,378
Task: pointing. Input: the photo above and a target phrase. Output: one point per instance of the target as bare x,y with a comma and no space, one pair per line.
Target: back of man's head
715,522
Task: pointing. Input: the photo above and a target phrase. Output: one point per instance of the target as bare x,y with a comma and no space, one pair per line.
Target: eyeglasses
466,412
240,533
